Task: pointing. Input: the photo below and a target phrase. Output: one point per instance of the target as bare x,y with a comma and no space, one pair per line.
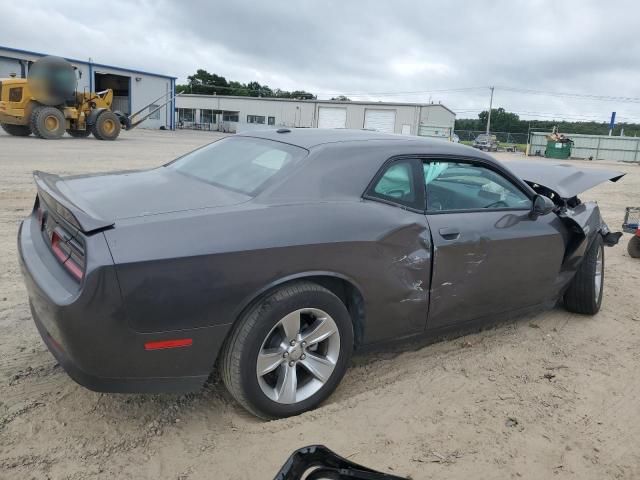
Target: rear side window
397,184
242,164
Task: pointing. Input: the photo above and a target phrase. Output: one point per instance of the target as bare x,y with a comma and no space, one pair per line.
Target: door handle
449,233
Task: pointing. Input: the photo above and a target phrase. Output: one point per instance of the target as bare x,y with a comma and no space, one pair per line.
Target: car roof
342,162
313,137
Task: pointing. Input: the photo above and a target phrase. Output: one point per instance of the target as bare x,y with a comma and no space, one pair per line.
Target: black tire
634,247
79,133
106,126
48,122
240,352
16,130
583,296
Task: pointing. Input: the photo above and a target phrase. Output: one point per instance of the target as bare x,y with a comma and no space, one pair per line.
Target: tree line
205,83
503,121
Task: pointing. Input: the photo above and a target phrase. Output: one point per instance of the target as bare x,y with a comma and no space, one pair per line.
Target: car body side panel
86,328
501,261
386,250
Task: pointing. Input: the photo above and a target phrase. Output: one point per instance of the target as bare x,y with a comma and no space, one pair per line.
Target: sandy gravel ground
553,395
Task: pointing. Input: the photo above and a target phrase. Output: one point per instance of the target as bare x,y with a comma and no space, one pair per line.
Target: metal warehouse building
231,114
132,89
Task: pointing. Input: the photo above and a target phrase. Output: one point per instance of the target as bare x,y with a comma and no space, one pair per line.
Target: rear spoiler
53,191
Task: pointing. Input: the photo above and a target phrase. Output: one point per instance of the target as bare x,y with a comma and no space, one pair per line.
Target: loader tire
106,126
16,130
48,123
634,247
584,294
79,133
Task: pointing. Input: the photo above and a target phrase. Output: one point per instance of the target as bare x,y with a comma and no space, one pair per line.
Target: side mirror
541,206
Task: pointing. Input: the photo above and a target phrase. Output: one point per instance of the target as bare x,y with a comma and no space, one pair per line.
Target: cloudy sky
367,49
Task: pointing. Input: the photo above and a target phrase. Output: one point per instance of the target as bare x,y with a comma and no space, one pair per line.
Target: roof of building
99,65
332,102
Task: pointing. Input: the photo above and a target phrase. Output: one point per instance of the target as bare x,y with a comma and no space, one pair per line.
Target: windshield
242,164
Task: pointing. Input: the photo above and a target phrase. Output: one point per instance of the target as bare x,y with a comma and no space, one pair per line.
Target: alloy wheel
298,356
597,278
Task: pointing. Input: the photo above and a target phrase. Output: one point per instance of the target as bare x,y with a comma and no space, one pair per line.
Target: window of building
272,121
155,115
256,119
207,116
465,186
231,117
186,115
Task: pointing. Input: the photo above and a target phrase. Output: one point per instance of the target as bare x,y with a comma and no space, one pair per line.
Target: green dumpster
557,149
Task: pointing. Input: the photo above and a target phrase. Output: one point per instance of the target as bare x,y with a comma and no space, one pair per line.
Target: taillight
70,253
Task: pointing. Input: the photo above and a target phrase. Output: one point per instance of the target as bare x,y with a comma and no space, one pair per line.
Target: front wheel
584,294
106,126
289,352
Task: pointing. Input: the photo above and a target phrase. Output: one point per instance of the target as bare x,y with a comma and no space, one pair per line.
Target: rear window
242,164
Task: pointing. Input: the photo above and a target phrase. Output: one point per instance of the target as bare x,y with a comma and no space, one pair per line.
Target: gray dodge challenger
273,255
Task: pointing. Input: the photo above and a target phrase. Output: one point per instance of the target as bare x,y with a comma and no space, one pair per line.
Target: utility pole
490,107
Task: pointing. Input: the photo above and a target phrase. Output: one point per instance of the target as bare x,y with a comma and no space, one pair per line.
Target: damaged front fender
584,223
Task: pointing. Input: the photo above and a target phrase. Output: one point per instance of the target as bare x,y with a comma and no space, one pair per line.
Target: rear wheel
289,352
48,122
16,130
584,294
106,126
634,246
79,133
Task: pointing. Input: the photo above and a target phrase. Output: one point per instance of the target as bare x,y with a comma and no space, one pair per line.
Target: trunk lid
95,202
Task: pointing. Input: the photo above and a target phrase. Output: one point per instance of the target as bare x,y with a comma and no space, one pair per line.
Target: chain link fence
503,137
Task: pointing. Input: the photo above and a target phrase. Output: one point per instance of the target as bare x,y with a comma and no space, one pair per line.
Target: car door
489,255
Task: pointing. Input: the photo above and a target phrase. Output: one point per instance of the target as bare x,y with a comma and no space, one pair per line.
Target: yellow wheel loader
47,104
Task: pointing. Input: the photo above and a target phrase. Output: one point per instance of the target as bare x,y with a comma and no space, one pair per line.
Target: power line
606,98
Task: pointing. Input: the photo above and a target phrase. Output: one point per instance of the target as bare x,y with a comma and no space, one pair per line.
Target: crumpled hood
564,179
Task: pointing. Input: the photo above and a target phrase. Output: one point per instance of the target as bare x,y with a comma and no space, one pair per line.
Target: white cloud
365,46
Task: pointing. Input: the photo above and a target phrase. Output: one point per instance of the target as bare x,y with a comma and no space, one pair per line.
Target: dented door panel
500,261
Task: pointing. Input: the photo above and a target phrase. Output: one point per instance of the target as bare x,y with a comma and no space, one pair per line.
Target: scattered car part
317,462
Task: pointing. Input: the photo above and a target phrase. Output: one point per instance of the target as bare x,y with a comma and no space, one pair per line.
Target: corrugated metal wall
598,147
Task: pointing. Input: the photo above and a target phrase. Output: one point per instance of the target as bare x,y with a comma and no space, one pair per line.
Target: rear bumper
87,330
109,384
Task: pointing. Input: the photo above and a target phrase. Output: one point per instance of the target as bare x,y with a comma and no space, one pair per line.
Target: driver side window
466,186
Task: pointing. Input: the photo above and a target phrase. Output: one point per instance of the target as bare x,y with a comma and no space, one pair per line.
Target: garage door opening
121,87
380,120
329,117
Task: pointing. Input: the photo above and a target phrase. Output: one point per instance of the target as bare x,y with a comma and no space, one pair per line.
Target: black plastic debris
317,462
